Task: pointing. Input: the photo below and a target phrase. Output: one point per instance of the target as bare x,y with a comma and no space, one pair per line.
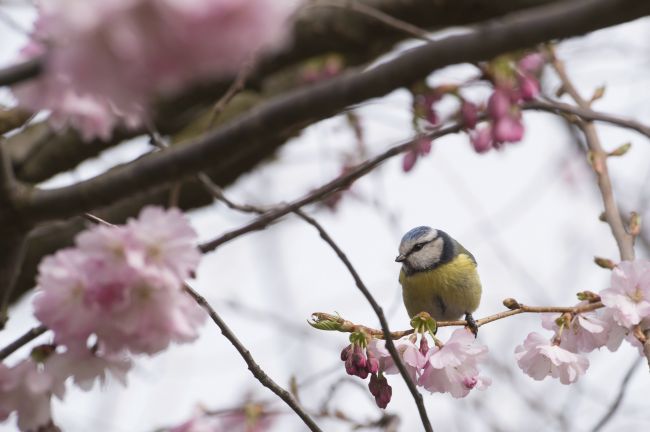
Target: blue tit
438,276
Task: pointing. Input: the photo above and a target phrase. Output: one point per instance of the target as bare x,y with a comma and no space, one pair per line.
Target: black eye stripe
418,246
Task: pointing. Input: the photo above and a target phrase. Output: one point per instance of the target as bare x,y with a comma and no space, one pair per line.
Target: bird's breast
446,292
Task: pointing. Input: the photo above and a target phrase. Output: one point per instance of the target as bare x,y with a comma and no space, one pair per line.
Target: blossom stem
346,326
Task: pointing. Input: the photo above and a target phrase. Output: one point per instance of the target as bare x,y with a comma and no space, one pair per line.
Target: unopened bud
598,94
604,263
511,303
424,346
589,296
634,227
620,150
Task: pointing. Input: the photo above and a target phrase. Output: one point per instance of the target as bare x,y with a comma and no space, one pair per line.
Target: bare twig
346,326
378,15
236,86
339,183
29,336
598,157
255,369
587,114
380,314
619,397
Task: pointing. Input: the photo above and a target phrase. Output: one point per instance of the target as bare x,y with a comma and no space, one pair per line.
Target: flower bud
372,365
469,114
424,346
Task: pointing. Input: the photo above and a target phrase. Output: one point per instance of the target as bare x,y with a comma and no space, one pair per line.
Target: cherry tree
111,266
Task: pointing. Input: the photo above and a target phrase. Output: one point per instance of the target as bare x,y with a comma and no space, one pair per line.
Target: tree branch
346,326
324,99
598,158
255,369
29,336
380,314
587,114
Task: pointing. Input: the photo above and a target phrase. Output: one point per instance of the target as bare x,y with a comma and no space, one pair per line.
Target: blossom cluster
627,308
117,292
514,80
105,62
452,367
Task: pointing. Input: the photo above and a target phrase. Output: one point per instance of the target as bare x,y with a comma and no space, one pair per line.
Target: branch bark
324,99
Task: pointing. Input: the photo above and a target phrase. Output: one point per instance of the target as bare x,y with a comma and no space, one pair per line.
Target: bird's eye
418,246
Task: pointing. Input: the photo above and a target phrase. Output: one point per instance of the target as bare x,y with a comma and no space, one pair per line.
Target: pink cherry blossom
409,353
113,58
85,367
60,301
167,240
629,295
453,368
26,389
644,326
538,357
587,331
123,285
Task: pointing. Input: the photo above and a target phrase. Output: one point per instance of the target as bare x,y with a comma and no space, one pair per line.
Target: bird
438,276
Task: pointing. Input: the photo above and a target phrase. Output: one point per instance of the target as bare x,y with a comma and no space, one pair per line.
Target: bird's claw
471,324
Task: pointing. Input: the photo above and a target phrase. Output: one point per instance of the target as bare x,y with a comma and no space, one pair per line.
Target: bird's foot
471,323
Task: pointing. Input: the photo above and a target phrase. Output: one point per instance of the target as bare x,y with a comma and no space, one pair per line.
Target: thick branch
324,99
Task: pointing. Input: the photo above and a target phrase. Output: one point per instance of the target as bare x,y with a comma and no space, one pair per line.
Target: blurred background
528,213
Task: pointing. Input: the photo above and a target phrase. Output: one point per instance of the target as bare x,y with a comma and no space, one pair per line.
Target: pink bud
499,104
345,354
424,346
482,139
380,389
358,358
470,382
531,63
508,129
409,160
423,145
372,365
529,87
469,114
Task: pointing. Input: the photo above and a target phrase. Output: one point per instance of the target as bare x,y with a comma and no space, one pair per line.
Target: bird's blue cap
416,233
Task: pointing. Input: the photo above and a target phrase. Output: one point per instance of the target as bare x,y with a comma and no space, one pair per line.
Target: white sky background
528,213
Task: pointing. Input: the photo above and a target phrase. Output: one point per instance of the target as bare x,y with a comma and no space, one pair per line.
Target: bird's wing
461,249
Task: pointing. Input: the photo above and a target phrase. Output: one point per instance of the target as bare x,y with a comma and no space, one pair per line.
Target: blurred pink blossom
469,114
629,295
124,285
508,129
86,367
453,368
110,59
538,357
27,390
482,139
528,87
531,63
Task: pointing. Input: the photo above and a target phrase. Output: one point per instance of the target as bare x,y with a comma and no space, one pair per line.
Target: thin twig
346,326
598,157
380,314
380,16
236,86
339,183
26,338
619,397
255,369
587,114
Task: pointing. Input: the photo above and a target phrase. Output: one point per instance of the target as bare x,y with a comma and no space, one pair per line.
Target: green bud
511,303
322,321
620,150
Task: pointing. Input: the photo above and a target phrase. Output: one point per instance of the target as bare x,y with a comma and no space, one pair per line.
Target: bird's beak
400,258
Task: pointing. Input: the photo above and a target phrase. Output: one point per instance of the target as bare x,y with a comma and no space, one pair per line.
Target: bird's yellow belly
446,292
